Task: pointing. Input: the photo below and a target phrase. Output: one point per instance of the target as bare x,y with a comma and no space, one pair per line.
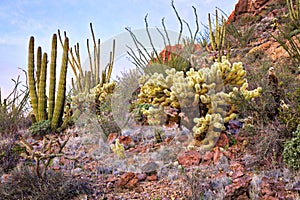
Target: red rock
111,179
126,140
189,158
153,177
248,6
216,155
141,177
112,137
235,166
229,155
208,156
132,183
126,180
237,174
238,187
223,141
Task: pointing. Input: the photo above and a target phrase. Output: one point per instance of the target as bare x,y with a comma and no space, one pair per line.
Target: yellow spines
204,89
230,117
118,149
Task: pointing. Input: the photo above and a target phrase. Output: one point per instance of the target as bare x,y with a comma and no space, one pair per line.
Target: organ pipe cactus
31,79
51,100
37,83
61,93
42,90
217,34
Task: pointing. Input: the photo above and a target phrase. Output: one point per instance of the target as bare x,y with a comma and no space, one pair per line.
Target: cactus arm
38,65
61,93
52,85
217,32
42,99
211,34
111,62
97,75
31,79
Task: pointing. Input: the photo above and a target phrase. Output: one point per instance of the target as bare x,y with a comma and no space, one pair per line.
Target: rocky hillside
150,162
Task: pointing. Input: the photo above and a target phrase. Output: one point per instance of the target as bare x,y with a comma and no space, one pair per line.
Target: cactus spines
61,93
52,85
42,99
199,95
31,79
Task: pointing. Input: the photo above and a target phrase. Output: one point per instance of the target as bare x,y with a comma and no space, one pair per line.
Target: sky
20,19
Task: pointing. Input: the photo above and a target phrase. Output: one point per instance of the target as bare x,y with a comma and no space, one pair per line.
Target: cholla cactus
106,120
200,95
118,149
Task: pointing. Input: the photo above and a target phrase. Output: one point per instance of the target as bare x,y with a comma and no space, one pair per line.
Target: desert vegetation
215,115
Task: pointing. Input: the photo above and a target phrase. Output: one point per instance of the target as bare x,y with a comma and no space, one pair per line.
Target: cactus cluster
103,94
203,96
82,95
37,78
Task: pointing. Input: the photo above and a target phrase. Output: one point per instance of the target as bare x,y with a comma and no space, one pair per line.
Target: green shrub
41,128
291,152
290,113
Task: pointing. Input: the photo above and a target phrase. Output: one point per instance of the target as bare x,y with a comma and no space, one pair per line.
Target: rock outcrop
251,7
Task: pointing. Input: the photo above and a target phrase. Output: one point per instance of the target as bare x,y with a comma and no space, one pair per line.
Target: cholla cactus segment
203,90
118,149
101,92
157,116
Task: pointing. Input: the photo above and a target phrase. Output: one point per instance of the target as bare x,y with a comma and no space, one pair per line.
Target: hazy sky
20,19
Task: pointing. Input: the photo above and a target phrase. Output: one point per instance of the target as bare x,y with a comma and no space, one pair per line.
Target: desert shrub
196,184
261,108
239,35
268,148
40,128
9,156
289,32
291,152
25,184
290,111
13,109
280,104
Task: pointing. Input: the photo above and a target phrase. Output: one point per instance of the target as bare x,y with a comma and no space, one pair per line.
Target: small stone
126,141
223,141
127,181
237,174
150,168
141,177
112,137
153,177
